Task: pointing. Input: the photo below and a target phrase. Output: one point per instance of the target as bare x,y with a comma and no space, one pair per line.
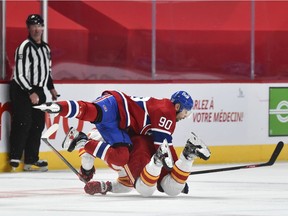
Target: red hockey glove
87,174
94,187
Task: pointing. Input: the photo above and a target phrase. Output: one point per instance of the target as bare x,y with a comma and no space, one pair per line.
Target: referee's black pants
27,125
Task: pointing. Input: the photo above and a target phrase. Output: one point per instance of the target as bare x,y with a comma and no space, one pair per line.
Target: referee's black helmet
34,19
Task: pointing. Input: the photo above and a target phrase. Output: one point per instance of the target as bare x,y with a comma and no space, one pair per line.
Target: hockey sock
181,169
150,173
82,110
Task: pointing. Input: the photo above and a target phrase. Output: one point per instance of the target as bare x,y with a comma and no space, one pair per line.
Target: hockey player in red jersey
114,113
147,168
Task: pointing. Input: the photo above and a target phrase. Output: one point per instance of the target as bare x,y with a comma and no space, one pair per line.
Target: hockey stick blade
275,154
271,161
51,130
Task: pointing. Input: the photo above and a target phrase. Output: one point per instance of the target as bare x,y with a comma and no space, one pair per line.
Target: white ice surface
247,192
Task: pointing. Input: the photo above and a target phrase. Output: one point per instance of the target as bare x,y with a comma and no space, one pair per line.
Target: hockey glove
101,187
87,174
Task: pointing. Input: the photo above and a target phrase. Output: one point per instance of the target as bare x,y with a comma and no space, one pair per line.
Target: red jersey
146,115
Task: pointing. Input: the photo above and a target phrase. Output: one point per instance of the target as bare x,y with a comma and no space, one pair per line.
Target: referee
32,72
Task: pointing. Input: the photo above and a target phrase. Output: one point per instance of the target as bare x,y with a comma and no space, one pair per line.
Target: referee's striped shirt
33,65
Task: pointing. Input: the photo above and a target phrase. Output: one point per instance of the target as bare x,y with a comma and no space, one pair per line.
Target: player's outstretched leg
85,111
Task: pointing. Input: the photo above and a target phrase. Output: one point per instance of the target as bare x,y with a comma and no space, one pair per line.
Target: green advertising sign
278,111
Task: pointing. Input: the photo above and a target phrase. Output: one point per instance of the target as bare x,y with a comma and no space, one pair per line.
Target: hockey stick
269,163
45,137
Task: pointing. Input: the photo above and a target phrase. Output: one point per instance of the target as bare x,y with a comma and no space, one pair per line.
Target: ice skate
74,139
50,107
163,156
196,148
40,165
14,163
